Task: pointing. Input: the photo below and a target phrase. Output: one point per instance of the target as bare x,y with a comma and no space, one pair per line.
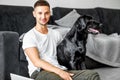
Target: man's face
42,14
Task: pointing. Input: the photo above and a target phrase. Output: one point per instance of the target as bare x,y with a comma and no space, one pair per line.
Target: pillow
63,30
69,19
104,48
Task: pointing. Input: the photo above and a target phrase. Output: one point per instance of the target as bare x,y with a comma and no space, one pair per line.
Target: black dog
71,51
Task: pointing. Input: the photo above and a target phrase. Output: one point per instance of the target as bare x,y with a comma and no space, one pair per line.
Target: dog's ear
87,18
82,21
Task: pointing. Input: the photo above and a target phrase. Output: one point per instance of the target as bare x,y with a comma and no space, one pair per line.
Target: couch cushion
110,19
9,57
59,12
69,19
109,73
16,18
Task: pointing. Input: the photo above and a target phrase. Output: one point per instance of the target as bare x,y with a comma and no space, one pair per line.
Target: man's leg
45,75
85,75
78,75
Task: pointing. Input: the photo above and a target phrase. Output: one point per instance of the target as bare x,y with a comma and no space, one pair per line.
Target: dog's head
81,22
86,23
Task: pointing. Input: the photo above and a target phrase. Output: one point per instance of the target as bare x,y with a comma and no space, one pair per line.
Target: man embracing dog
40,44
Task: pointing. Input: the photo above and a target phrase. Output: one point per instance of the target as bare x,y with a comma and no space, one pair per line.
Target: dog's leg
83,66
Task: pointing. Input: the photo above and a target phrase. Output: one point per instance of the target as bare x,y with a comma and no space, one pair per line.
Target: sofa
17,20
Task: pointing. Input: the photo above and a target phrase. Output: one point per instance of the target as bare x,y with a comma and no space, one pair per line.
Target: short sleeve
60,38
28,41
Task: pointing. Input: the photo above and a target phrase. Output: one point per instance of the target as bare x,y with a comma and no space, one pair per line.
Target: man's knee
85,75
91,75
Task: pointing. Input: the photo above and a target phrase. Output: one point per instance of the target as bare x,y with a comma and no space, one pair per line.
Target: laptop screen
18,77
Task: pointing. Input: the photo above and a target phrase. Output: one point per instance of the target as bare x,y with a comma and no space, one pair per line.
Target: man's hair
41,3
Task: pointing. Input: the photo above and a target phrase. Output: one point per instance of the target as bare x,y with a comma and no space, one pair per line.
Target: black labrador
71,51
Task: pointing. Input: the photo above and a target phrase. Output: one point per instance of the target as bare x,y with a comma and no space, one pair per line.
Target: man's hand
65,75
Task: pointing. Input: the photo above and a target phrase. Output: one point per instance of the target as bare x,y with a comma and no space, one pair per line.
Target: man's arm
33,54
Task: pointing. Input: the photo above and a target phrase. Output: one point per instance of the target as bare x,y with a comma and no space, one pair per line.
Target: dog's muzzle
94,31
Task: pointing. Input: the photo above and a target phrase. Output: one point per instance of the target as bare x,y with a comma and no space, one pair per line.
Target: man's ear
34,13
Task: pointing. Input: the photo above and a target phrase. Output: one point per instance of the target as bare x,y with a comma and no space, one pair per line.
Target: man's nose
43,16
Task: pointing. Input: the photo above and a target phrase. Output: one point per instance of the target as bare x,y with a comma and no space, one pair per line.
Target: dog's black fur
71,51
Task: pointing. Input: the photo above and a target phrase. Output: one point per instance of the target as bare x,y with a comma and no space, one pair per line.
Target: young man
39,45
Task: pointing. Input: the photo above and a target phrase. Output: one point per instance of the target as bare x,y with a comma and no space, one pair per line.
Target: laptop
18,77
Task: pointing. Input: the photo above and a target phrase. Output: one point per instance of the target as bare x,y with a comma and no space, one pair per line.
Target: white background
68,3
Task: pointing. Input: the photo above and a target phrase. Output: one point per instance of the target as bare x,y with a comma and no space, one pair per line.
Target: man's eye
47,13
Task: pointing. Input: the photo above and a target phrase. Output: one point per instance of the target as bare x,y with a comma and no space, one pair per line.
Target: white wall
86,3
68,3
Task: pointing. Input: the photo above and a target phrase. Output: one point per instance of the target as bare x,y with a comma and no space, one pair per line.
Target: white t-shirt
46,45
